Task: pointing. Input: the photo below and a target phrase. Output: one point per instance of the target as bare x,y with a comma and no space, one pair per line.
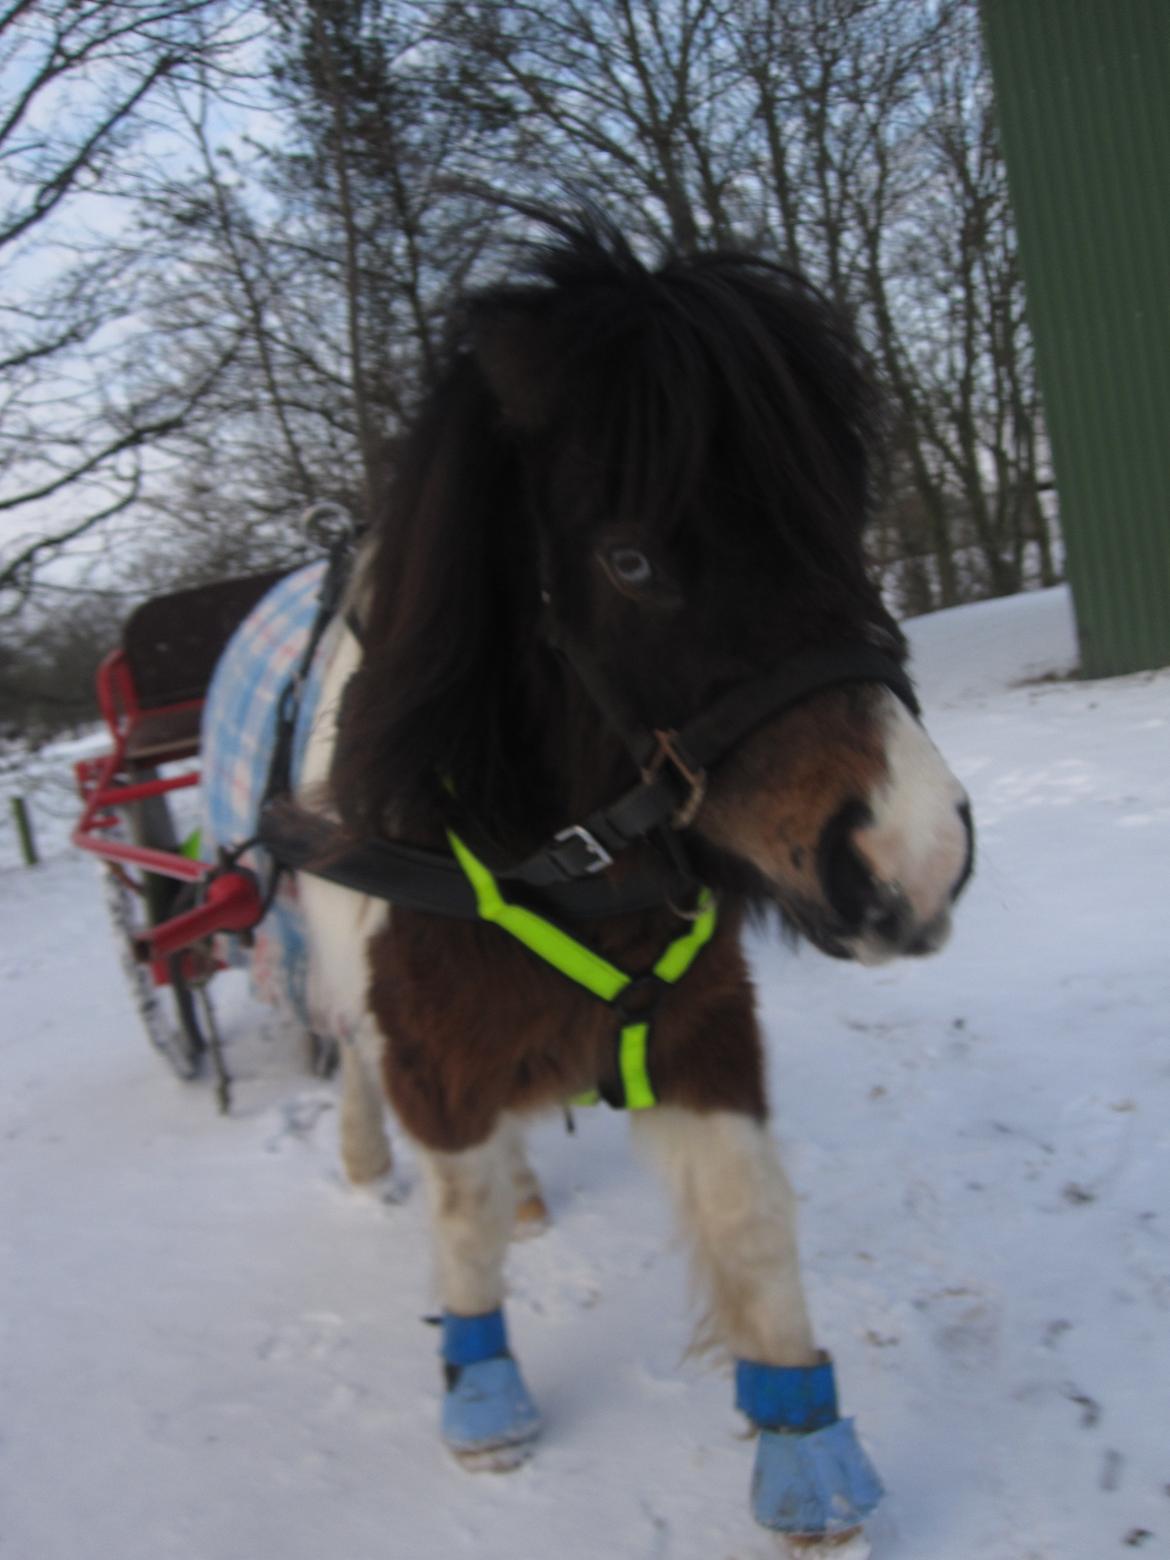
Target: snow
211,1350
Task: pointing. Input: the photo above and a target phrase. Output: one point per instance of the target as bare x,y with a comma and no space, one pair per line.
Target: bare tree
85,84
331,251
884,179
295,285
634,104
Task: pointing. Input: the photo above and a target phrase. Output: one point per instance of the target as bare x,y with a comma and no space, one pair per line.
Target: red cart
166,902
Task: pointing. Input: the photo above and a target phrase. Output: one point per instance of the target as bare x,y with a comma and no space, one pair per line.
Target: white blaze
917,843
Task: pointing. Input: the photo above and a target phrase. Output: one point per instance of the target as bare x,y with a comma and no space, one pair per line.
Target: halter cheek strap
673,765
634,1087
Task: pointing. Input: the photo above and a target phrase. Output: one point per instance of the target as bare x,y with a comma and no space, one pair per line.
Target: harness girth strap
602,979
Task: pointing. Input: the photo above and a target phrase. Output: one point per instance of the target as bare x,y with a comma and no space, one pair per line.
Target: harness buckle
669,751
638,1002
598,857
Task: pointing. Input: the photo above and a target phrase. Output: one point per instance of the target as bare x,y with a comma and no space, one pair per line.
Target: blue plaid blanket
239,730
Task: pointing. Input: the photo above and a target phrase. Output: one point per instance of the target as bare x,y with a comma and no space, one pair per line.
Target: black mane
713,401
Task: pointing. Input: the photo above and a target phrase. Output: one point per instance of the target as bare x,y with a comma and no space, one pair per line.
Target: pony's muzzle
890,881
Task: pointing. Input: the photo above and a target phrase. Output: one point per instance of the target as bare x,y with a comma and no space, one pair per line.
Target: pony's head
668,469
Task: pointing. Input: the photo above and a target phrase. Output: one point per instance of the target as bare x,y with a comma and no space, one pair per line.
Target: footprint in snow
315,1336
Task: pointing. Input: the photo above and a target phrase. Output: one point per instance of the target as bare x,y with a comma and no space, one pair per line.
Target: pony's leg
737,1209
532,1214
365,1148
471,1208
488,1418
322,1056
339,925
812,1480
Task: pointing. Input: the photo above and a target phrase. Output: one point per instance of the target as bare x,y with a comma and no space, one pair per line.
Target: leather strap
431,880
567,872
741,709
674,764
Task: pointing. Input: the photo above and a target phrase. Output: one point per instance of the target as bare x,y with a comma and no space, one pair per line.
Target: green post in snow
20,817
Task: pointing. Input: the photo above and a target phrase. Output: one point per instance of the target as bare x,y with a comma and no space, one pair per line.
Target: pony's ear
514,348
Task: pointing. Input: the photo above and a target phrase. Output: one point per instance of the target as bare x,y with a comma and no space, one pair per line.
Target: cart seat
162,734
171,645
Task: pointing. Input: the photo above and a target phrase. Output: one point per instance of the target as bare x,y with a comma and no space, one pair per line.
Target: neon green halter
603,979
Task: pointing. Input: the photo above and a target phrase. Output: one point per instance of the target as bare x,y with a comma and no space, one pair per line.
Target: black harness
567,876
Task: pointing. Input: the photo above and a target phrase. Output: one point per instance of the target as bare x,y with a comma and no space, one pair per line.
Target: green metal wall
1083,99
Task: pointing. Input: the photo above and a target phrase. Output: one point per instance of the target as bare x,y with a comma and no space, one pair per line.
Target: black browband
565,876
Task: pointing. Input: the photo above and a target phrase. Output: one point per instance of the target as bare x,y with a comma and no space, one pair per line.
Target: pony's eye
629,566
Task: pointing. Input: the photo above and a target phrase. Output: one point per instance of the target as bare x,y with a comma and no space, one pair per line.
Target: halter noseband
674,764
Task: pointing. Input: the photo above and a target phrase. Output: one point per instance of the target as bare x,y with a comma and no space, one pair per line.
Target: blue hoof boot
811,1476
820,1482
489,1420
488,1417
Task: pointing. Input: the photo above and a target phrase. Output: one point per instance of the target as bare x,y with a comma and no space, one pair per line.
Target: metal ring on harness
326,523
669,751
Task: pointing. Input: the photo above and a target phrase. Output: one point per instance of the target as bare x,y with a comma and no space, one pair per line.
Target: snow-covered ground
210,1350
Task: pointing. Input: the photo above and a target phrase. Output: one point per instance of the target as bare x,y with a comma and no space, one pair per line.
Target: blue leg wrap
811,1475
486,1407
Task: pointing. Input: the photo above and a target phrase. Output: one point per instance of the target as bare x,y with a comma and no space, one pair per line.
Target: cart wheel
188,1000
172,1023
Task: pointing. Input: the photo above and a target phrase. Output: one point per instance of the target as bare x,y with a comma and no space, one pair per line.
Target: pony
622,557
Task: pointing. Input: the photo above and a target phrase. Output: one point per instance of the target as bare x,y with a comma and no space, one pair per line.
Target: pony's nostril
886,920
849,884
890,901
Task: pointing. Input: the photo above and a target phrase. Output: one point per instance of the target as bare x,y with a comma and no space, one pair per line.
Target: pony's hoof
489,1420
497,1459
850,1545
816,1486
370,1173
532,1217
387,1190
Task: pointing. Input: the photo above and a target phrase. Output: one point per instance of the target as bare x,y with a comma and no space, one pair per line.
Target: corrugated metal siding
1083,98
